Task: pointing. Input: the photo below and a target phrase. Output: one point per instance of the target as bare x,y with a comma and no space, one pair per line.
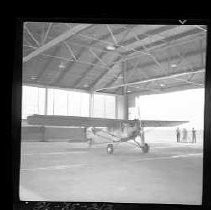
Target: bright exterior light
33,77
173,65
110,47
61,65
162,85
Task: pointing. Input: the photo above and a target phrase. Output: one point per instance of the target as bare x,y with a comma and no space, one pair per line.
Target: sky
181,105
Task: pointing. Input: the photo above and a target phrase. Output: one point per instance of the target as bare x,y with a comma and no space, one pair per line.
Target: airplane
113,130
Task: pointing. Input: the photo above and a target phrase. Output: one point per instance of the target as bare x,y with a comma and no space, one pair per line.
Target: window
109,106
104,106
66,103
33,101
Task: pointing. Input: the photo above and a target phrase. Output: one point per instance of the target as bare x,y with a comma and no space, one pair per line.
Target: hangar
97,71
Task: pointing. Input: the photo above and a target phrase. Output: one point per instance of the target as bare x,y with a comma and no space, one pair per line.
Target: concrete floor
169,173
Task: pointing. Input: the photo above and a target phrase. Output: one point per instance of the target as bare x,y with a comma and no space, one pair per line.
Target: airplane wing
57,120
73,121
160,123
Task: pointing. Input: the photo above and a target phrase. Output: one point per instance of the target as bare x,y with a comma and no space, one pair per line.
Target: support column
43,129
116,108
124,89
53,101
46,102
91,104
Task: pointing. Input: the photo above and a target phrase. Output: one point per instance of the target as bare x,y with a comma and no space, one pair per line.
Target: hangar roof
147,59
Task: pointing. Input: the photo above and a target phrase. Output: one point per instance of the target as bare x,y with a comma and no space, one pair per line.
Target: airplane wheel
145,148
110,149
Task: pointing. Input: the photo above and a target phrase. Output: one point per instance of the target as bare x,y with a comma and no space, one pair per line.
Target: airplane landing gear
145,148
110,149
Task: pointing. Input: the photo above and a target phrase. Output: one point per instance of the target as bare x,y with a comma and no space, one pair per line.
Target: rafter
199,27
101,77
66,59
189,82
88,46
162,47
149,64
47,32
155,79
134,67
88,70
165,60
184,59
151,55
110,43
47,64
169,46
161,35
33,47
56,41
103,52
70,50
96,56
95,62
31,35
112,35
103,37
156,61
146,88
28,43
169,89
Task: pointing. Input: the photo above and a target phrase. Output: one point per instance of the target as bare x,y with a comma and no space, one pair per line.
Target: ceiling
145,59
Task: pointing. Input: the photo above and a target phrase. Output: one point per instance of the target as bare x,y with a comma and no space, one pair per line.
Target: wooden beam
56,41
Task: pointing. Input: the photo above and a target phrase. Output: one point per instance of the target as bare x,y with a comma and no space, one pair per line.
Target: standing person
184,135
178,134
193,135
